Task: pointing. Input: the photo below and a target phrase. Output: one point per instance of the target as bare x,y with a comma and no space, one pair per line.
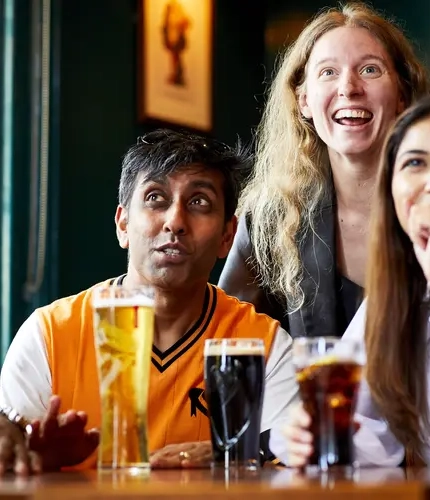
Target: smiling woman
300,251
351,97
394,319
411,181
397,322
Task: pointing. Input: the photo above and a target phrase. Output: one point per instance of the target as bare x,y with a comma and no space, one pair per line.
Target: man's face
175,227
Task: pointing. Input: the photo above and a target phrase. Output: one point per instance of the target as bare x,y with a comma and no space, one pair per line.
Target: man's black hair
162,152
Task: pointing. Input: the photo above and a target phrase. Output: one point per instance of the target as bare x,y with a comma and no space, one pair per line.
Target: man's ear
230,229
303,105
121,222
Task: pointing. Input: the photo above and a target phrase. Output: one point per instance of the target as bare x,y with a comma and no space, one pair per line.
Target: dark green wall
94,119
96,127
412,16
98,118
21,158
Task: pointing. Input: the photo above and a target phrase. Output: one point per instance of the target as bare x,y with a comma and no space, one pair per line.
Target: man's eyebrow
203,184
155,180
195,184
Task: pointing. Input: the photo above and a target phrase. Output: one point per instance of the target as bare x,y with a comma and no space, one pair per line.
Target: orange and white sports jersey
177,410
53,353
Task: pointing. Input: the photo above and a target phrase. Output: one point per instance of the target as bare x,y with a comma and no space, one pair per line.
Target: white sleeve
357,325
374,443
25,379
281,389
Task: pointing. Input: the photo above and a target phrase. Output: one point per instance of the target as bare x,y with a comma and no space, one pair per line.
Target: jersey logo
197,395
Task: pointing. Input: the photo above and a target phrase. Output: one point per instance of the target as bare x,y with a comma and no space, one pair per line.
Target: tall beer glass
234,379
123,327
328,371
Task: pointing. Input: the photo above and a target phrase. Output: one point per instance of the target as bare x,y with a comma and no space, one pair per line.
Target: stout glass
234,379
328,371
123,328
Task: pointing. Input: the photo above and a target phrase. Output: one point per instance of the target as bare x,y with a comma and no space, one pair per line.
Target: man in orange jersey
177,198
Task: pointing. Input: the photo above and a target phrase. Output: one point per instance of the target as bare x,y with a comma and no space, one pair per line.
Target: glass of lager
123,334
328,371
234,389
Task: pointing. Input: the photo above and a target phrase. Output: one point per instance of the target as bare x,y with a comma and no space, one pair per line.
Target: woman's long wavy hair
292,172
396,317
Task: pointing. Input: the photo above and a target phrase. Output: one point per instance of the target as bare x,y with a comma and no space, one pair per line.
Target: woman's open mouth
352,117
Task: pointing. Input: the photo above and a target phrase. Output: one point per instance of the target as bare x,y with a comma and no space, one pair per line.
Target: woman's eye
371,70
327,72
413,162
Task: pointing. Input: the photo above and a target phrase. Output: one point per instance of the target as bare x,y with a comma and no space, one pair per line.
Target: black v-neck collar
162,360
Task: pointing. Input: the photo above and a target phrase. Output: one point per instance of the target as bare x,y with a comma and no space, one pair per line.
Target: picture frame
175,62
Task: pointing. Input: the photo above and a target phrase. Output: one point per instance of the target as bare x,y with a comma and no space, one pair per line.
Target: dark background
94,118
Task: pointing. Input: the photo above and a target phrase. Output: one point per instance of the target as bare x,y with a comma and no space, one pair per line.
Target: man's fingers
21,465
50,421
69,418
197,462
166,458
35,462
53,407
78,419
6,453
163,454
165,462
196,458
83,417
35,426
94,434
35,440
92,438
187,456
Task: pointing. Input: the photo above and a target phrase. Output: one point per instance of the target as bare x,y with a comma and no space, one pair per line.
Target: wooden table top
270,484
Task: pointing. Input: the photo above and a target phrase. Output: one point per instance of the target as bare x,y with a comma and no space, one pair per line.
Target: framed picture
175,67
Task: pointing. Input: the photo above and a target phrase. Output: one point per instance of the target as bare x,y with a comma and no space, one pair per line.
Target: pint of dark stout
234,379
328,371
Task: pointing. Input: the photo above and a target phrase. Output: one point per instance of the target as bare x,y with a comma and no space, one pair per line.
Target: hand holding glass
328,371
